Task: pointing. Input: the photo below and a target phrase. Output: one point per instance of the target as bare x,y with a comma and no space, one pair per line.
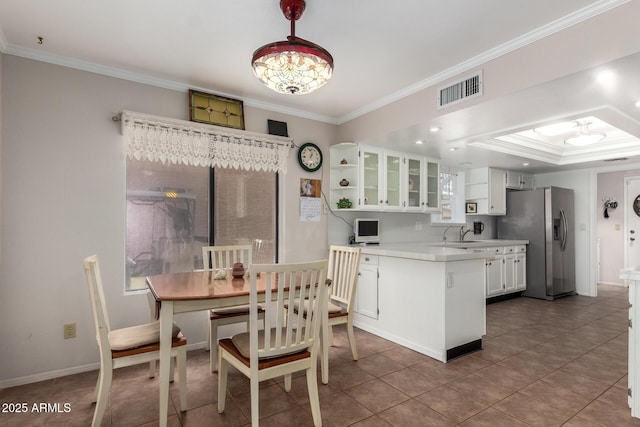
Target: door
632,221
367,290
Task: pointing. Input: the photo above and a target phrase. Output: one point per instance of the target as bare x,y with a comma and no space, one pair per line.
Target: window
170,208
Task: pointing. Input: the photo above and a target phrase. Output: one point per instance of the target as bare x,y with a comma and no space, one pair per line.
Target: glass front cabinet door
432,186
370,179
393,166
414,194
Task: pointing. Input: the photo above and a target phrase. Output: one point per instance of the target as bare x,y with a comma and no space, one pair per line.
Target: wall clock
310,157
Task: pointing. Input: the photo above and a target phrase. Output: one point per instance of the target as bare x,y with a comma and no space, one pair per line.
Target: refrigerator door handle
565,229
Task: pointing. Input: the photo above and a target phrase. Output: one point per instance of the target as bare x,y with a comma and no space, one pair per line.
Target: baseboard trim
49,375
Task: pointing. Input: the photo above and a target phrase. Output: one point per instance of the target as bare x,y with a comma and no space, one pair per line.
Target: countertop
440,251
631,273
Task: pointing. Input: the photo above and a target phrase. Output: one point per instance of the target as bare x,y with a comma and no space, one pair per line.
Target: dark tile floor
543,364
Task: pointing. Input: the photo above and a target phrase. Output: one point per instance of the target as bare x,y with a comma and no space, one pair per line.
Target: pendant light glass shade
294,66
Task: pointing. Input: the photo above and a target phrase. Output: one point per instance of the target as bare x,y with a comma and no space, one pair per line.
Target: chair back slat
344,262
284,284
223,257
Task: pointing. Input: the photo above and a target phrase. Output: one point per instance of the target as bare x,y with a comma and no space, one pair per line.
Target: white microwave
366,230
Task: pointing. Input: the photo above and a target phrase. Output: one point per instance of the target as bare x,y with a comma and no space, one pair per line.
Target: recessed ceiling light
525,164
605,77
638,104
419,142
434,129
453,148
465,164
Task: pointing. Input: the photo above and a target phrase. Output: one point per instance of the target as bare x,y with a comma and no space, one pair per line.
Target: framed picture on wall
471,207
216,110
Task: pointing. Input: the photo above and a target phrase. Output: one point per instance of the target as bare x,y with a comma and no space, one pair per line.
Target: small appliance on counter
544,217
366,231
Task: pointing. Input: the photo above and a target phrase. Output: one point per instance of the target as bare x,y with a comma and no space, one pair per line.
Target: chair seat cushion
137,336
331,307
241,342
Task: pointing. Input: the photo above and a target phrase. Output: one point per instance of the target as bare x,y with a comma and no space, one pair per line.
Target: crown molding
92,67
476,61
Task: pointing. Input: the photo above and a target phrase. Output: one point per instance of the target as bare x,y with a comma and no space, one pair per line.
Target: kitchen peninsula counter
428,297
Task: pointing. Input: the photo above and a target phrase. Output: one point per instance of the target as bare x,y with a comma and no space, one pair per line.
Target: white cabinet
507,273
380,175
493,273
519,180
435,308
367,289
486,188
344,175
422,190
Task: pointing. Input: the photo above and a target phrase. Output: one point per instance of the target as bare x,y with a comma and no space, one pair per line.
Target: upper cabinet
422,190
486,188
519,180
385,180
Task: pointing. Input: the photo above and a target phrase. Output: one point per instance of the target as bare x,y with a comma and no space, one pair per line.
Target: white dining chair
344,262
277,349
223,258
127,346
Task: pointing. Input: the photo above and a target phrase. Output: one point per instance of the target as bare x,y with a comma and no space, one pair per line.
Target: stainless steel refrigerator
544,217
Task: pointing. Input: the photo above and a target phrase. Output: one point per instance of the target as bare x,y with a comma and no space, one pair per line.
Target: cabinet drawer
369,259
521,249
510,249
495,249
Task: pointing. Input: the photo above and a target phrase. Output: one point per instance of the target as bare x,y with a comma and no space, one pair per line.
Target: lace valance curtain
165,140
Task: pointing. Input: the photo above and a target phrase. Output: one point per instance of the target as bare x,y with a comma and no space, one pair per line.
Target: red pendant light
294,66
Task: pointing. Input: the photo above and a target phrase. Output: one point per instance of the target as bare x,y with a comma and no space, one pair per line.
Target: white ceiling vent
468,87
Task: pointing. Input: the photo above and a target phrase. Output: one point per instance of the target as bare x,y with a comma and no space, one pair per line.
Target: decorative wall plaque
215,110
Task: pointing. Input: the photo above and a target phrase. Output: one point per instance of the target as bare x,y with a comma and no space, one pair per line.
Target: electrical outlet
69,330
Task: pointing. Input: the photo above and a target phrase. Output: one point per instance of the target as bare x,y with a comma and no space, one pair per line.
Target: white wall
63,198
611,230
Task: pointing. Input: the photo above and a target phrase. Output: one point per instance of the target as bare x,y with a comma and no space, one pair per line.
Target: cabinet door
508,263
367,290
414,172
513,180
520,272
432,186
494,277
526,181
497,192
370,177
393,186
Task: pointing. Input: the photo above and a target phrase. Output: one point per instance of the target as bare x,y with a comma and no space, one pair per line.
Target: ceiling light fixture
585,136
555,129
294,66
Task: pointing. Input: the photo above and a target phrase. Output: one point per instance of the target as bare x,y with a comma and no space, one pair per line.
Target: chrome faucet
444,235
463,233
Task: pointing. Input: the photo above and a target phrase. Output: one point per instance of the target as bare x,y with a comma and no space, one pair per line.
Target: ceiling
207,45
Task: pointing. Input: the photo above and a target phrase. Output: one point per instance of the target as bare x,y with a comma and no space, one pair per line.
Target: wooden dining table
199,290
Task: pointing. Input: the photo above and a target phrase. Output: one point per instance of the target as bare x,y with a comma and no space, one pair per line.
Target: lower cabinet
436,308
506,273
367,290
